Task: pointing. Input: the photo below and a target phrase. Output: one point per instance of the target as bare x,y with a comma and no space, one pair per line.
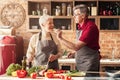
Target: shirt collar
82,26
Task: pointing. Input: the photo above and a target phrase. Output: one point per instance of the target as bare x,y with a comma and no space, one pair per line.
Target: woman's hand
52,57
71,54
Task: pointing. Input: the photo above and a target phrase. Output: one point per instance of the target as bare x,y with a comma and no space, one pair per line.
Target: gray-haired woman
44,48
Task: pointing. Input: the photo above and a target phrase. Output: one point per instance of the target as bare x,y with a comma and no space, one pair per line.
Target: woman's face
78,16
49,25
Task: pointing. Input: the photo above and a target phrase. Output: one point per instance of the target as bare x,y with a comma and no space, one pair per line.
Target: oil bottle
24,63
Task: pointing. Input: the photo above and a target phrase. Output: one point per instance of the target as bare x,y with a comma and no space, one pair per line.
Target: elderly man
44,48
86,49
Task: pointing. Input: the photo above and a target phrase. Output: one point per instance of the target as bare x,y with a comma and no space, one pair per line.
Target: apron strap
40,35
51,36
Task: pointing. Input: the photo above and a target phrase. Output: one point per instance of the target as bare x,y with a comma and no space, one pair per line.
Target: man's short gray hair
44,19
83,8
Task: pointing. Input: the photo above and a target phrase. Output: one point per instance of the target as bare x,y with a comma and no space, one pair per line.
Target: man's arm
74,46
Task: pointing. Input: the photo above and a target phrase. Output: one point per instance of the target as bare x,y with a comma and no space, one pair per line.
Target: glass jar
63,9
57,11
45,11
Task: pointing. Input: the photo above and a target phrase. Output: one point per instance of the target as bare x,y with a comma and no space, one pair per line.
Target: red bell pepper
21,73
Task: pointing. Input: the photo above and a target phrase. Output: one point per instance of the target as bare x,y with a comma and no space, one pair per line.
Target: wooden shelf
100,20
39,0
67,17
109,16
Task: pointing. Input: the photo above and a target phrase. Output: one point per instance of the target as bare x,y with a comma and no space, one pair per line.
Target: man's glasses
76,14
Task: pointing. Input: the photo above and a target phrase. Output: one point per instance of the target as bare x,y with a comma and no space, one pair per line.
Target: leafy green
35,69
75,73
12,67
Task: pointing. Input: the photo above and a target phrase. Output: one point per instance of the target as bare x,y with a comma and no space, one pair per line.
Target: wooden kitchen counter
103,63
4,77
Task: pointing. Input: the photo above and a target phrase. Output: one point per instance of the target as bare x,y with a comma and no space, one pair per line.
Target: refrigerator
11,51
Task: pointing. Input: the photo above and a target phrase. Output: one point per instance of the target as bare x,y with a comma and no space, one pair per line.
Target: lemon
14,73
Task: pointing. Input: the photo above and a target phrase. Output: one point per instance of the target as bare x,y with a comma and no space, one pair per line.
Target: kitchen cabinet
106,14
60,10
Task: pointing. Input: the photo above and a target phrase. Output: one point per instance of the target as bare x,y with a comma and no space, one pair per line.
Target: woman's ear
42,24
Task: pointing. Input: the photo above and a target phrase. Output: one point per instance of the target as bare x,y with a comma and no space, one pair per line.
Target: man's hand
71,54
52,57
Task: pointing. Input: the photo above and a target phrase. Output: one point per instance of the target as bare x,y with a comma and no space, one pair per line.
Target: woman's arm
31,49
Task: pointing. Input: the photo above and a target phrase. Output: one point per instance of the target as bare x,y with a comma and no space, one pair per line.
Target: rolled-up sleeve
31,47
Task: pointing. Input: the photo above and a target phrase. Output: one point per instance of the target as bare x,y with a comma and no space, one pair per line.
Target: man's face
78,16
49,25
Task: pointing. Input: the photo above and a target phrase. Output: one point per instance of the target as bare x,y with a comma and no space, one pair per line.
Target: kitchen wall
109,40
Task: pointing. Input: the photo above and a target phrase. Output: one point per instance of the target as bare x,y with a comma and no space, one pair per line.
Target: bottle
29,65
93,10
69,10
63,9
38,9
117,8
110,10
45,11
24,63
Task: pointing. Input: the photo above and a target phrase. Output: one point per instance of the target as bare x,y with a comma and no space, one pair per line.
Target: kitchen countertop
4,77
102,61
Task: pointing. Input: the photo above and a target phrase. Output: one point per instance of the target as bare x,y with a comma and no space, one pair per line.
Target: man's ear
83,15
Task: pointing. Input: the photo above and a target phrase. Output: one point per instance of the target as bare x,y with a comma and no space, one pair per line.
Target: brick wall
109,40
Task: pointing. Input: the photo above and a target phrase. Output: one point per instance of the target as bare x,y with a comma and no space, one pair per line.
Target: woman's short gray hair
83,9
44,19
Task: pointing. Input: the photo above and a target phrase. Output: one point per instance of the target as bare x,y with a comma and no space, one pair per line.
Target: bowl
113,73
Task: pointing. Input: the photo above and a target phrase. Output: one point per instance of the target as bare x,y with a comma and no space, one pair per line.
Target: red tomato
49,75
62,77
21,73
68,78
33,75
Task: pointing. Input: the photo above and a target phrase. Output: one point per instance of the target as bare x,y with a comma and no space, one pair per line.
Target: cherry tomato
62,77
68,78
33,75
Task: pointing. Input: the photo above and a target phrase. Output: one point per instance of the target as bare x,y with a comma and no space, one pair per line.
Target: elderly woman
44,48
